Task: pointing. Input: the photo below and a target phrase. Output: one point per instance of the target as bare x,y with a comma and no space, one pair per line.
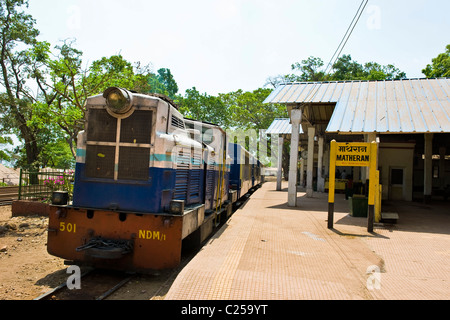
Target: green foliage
17,40
57,155
440,66
4,154
312,69
248,111
65,86
17,27
204,107
346,69
244,110
163,83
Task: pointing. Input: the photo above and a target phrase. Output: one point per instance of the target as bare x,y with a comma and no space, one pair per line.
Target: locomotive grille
100,162
178,123
136,128
118,148
133,163
182,176
102,126
210,180
194,188
188,176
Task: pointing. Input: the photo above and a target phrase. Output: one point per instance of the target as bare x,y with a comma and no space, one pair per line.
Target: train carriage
245,170
216,161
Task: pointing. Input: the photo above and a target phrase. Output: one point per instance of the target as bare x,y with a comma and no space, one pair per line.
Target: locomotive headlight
118,100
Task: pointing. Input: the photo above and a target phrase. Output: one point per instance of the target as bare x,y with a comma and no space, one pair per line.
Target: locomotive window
102,126
134,163
137,128
100,161
207,132
107,158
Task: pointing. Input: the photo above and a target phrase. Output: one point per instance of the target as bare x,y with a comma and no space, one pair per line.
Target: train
146,181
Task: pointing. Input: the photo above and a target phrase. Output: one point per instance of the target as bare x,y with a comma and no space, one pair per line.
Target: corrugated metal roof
281,126
403,106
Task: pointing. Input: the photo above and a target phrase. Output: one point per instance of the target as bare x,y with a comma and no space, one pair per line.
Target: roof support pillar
302,172
442,151
320,180
310,162
296,117
428,168
280,161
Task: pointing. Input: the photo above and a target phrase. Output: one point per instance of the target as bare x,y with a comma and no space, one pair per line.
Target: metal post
331,184
370,216
330,215
372,184
428,167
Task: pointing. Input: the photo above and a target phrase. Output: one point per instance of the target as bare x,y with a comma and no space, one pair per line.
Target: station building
409,119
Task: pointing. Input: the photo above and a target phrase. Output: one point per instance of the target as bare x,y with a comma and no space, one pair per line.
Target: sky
219,46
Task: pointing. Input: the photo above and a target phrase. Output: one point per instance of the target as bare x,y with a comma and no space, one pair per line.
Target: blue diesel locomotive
146,179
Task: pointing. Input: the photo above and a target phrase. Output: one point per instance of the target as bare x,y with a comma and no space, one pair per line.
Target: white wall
399,155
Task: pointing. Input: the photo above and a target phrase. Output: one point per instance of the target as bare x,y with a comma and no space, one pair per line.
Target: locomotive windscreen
126,159
102,126
133,163
100,162
137,127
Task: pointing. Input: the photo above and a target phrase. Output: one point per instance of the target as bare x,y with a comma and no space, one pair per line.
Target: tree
440,66
57,154
4,154
65,86
250,117
204,107
344,68
281,79
310,69
16,106
248,111
241,113
164,83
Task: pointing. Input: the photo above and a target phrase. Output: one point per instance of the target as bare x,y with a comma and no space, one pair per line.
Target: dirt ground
28,271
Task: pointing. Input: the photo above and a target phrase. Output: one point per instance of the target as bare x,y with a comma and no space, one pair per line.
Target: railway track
95,285
99,284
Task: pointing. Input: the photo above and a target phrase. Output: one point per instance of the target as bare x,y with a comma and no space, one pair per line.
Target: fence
39,186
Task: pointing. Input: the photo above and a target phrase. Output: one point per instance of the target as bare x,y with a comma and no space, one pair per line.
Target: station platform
270,251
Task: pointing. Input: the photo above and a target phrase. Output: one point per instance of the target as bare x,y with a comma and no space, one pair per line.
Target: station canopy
386,106
281,126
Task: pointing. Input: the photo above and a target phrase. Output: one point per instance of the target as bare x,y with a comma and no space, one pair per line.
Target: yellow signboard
353,154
